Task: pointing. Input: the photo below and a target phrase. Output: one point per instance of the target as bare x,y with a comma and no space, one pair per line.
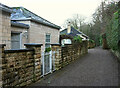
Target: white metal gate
53,61
48,63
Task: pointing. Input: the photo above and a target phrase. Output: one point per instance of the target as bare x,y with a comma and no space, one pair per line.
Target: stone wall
1,58
69,53
58,58
37,59
21,67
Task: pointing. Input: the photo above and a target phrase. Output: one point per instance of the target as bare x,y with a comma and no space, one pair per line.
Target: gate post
1,64
58,59
37,59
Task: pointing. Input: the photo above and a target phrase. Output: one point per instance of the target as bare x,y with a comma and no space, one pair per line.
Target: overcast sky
57,11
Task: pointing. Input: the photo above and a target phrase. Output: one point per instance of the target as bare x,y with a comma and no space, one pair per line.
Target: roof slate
73,32
21,13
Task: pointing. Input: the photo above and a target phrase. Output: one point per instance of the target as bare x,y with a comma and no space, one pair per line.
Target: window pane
47,36
47,45
47,40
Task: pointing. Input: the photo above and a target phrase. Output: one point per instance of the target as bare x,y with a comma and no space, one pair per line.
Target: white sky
56,11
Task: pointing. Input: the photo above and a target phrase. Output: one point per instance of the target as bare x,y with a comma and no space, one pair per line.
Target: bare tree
76,21
102,18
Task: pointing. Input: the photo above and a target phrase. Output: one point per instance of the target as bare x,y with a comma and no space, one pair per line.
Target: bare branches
76,21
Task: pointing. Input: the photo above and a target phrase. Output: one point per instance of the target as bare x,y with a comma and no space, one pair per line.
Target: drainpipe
21,35
21,40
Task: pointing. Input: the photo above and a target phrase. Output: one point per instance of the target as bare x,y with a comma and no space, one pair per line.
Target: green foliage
101,19
91,44
63,34
92,41
48,49
112,32
77,39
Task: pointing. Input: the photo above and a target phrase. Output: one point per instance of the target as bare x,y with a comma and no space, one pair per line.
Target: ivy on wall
77,39
113,31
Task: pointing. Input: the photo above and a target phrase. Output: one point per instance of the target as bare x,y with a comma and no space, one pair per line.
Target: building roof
5,8
21,13
73,32
17,24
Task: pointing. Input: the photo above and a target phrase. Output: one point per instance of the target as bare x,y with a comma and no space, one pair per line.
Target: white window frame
46,39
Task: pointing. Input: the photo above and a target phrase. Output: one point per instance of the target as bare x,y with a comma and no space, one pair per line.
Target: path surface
98,68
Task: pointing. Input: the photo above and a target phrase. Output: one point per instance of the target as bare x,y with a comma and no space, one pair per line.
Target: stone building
25,26
71,32
40,30
18,35
5,23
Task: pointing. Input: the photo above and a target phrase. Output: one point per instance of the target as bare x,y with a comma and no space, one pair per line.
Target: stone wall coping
33,44
55,44
17,50
2,45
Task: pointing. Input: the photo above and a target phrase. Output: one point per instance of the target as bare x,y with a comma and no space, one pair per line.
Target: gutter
20,25
58,27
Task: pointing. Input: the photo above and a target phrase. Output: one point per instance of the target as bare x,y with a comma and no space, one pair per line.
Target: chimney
69,27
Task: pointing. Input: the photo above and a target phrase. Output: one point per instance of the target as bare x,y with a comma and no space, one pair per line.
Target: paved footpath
98,68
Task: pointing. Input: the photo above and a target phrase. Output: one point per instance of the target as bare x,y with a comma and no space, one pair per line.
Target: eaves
38,21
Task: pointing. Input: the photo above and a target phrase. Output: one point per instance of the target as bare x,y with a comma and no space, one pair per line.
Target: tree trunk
104,41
